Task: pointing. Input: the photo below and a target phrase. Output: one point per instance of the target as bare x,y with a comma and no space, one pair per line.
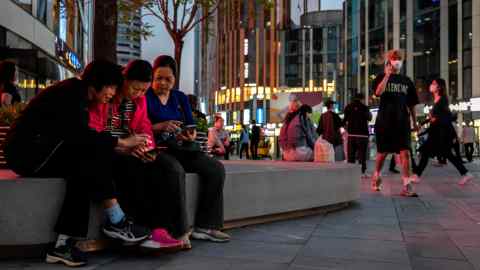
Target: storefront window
453,51
36,70
45,10
424,5
467,49
427,49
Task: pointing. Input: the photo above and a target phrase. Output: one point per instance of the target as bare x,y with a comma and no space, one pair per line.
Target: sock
115,214
61,240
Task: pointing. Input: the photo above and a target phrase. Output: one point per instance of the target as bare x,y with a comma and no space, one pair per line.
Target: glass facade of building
436,43
260,51
67,25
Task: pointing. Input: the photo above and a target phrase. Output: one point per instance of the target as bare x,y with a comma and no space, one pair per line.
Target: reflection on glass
25,4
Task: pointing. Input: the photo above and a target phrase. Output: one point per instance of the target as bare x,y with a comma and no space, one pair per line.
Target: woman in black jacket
51,138
441,134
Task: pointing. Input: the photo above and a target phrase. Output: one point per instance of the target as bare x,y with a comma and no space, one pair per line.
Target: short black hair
166,61
329,103
305,108
7,71
359,96
138,70
101,73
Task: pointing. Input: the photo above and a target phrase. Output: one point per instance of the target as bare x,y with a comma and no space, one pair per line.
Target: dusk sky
161,43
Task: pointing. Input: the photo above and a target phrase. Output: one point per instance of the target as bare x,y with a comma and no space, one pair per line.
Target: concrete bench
255,191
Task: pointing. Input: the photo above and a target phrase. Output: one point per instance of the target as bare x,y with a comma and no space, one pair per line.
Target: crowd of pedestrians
396,120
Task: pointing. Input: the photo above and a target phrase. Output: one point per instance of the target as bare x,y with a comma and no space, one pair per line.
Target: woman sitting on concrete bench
52,138
138,179
297,136
174,128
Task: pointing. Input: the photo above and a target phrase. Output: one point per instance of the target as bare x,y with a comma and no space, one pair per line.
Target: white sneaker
376,182
415,179
366,176
467,177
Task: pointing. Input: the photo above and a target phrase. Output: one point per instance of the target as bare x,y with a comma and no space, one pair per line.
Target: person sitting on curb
173,127
137,178
52,138
218,139
297,135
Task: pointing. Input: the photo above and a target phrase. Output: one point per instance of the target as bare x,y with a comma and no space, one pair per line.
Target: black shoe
68,254
126,231
393,170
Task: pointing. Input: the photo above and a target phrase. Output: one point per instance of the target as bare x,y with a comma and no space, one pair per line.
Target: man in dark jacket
52,138
255,140
329,128
357,116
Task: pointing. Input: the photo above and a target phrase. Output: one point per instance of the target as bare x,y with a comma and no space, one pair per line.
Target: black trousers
139,187
469,151
254,148
357,150
244,147
88,175
456,148
209,213
425,156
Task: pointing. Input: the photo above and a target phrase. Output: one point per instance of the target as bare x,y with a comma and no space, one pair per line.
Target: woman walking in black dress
441,134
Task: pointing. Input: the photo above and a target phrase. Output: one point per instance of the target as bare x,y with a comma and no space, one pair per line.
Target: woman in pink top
136,176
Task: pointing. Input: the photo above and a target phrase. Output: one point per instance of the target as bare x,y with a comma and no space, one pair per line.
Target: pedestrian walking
468,138
441,134
398,98
329,128
255,140
244,141
357,116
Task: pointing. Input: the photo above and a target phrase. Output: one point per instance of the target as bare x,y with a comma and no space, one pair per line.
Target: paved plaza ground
440,230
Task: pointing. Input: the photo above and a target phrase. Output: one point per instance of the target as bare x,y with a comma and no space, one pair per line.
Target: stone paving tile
466,238
212,263
422,230
274,234
441,248
473,256
356,249
250,250
360,231
303,262
439,264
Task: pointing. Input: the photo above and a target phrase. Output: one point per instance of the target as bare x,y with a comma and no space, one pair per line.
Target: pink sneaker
161,239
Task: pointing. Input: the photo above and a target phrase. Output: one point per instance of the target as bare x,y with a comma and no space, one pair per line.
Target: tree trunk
105,30
178,59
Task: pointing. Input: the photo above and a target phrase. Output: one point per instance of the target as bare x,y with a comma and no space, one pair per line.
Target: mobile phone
154,151
188,128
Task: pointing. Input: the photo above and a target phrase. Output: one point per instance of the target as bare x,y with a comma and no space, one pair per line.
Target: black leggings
357,150
209,212
425,156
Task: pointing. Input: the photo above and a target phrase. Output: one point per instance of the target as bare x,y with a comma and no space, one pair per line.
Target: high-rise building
49,40
129,44
254,51
440,38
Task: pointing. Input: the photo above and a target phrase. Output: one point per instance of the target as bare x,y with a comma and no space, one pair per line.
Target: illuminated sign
456,107
66,55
